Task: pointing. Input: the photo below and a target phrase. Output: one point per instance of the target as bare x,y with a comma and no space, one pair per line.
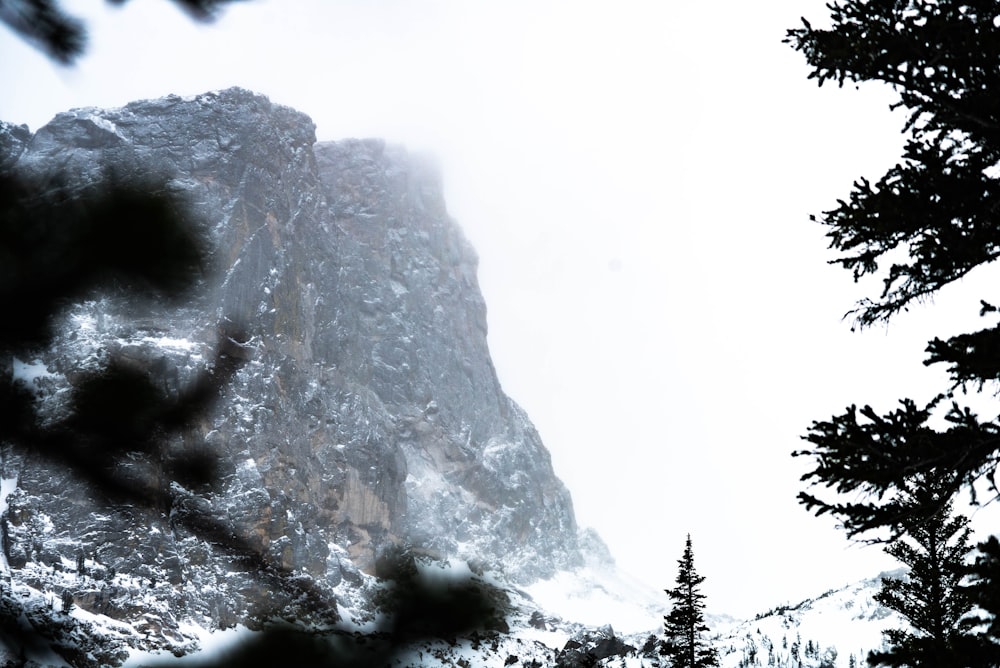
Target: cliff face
367,414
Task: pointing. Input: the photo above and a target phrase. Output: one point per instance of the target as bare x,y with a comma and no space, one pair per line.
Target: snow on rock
368,368
212,644
27,372
367,416
7,486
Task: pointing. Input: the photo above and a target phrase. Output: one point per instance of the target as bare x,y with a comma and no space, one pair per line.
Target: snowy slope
823,631
598,607
596,596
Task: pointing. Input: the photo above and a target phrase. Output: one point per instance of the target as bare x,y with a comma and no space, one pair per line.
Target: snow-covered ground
595,596
596,600
567,604
823,631
213,644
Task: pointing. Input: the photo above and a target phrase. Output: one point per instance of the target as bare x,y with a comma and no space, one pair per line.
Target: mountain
825,631
820,632
364,441
366,417
594,616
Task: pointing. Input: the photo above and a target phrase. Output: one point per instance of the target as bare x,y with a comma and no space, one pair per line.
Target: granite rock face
367,415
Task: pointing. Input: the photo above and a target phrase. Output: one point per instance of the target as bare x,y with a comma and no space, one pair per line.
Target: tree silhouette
929,221
930,596
685,627
939,205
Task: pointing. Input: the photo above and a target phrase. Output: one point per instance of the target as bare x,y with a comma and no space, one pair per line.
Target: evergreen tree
984,589
685,625
931,597
929,221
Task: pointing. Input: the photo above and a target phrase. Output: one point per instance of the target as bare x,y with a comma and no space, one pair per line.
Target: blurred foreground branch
62,37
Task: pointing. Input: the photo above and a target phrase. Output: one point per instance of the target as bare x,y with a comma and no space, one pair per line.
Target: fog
637,179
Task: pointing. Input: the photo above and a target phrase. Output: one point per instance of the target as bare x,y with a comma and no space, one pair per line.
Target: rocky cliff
366,415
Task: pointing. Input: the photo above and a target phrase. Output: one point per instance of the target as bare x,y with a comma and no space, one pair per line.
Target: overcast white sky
637,178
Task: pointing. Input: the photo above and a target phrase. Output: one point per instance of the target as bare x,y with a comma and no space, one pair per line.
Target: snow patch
104,124
169,342
84,321
213,644
7,487
597,596
30,373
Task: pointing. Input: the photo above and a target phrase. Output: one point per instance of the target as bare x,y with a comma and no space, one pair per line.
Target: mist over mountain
367,416
365,421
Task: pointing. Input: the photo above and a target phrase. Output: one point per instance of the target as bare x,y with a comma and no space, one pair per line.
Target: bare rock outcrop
367,414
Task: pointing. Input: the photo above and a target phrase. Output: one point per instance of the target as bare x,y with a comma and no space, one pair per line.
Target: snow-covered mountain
821,632
364,425
366,415
597,617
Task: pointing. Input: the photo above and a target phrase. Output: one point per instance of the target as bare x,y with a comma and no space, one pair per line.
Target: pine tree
983,586
685,625
931,597
940,206
928,222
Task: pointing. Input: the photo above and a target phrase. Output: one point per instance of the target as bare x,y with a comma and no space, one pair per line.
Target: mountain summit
366,417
